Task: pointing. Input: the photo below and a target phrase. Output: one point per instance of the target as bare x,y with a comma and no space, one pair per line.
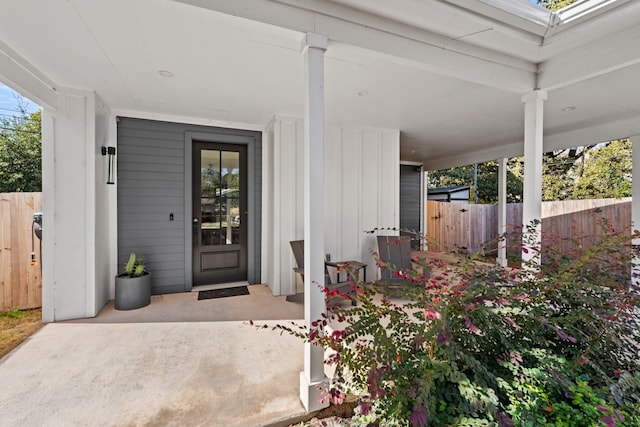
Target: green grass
16,326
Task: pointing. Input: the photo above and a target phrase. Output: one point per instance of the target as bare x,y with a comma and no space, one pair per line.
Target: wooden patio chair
395,252
297,247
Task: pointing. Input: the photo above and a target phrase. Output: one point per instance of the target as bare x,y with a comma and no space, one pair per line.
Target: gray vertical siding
151,174
410,200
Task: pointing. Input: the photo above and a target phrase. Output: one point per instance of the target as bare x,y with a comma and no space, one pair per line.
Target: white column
635,204
532,186
502,211
312,379
69,153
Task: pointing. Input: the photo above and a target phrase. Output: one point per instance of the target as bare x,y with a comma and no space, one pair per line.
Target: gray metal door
219,216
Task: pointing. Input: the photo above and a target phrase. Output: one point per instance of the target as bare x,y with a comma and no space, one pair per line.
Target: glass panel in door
219,210
220,197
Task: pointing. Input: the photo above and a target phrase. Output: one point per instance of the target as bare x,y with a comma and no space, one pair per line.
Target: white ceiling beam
471,157
439,60
176,118
558,141
397,42
523,15
587,63
592,49
593,134
24,78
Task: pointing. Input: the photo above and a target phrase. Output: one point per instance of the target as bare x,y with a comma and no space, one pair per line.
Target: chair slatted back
297,247
397,251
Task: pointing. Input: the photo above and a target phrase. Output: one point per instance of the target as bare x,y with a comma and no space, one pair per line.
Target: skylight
529,16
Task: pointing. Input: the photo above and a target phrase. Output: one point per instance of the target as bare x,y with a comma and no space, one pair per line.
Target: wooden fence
20,279
570,224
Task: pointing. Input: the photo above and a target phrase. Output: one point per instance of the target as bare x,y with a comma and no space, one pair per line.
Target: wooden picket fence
468,228
20,279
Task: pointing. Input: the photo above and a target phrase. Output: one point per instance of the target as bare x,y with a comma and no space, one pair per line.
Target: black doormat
222,293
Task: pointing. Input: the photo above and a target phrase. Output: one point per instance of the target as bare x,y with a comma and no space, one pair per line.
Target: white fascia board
174,118
593,134
437,59
341,125
363,19
268,12
583,32
17,73
600,57
404,11
518,13
399,42
586,9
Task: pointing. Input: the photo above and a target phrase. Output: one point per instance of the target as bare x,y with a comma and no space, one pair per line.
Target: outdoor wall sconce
111,152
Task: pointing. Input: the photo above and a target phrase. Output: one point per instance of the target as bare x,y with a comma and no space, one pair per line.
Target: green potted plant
133,287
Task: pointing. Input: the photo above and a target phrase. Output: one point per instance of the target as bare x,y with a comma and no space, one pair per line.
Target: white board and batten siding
361,192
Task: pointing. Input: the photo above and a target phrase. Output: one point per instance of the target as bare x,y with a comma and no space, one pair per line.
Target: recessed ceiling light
165,73
363,93
570,108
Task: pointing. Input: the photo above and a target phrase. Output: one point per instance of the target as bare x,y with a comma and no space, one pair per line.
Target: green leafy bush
477,344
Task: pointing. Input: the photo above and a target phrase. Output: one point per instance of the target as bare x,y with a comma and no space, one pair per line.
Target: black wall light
111,152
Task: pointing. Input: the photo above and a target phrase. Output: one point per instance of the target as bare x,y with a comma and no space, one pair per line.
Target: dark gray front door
219,215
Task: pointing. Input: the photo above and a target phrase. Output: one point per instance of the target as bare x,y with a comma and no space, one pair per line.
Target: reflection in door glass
220,197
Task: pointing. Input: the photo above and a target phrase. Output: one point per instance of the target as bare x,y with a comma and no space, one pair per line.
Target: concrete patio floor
177,362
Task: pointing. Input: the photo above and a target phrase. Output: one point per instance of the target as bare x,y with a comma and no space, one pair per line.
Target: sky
9,103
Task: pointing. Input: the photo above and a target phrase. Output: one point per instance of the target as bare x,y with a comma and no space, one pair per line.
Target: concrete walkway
194,373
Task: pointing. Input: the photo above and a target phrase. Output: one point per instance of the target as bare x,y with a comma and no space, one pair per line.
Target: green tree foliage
591,172
558,174
487,190
555,4
606,173
20,153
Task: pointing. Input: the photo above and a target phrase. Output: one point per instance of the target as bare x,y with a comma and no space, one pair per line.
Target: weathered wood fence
20,279
468,228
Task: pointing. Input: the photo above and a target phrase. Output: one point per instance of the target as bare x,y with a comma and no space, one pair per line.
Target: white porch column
502,211
635,203
312,379
77,253
532,186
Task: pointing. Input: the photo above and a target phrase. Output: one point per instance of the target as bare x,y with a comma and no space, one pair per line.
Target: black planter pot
133,292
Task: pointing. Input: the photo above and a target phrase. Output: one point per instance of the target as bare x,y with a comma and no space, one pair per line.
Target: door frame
240,271
238,137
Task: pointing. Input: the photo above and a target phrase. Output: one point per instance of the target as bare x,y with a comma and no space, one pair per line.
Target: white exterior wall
76,209
106,209
268,267
362,176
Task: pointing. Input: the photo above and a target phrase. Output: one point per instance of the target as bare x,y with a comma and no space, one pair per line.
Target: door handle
196,231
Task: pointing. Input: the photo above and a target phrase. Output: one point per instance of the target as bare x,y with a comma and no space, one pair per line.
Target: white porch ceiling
448,74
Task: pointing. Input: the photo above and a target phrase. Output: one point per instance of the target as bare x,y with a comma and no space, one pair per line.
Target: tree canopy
555,4
21,152
606,173
487,190
590,172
